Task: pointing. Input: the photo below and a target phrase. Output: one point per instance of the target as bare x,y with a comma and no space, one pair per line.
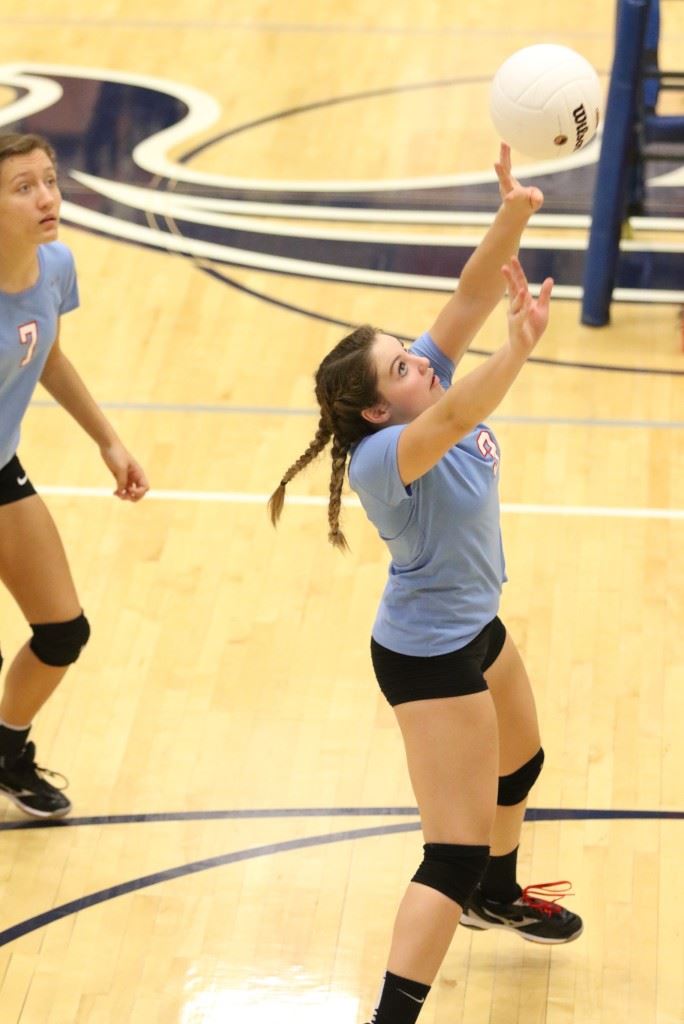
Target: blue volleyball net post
633,133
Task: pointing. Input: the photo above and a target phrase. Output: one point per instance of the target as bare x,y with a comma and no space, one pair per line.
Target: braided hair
346,384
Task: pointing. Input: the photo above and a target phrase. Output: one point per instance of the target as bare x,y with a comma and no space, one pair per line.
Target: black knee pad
59,643
452,869
515,787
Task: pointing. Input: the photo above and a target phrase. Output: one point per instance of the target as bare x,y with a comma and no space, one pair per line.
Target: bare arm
480,287
474,397
61,379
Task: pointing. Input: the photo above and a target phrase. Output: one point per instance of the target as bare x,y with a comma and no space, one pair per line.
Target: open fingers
505,180
518,271
514,274
517,298
503,170
512,283
545,292
522,303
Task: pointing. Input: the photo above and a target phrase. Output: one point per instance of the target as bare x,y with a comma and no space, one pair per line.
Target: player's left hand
131,482
527,317
525,198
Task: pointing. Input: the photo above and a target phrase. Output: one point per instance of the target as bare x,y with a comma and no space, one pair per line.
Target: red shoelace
533,896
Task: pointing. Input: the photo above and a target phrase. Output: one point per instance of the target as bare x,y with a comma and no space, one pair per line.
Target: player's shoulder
373,454
57,254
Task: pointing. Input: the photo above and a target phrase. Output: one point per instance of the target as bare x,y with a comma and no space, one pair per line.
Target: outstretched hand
528,199
527,317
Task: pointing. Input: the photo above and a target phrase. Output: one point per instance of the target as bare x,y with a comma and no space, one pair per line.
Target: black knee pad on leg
452,869
59,643
514,788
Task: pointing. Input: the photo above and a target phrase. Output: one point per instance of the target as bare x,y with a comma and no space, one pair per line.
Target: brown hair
15,144
346,383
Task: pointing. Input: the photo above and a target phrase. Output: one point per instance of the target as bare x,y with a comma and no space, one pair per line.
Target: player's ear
377,414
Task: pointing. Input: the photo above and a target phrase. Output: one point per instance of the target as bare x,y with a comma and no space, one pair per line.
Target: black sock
401,1000
12,742
499,880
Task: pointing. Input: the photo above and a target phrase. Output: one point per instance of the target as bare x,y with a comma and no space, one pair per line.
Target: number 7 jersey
29,321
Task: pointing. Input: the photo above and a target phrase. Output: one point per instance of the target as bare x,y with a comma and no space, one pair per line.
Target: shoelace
533,896
64,782
27,761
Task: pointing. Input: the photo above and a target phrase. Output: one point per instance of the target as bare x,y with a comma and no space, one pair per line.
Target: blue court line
135,885
218,815
307,108
347,326
170,224
242,813
274,410
103,895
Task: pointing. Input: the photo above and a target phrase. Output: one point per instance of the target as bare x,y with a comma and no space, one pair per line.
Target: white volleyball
545,101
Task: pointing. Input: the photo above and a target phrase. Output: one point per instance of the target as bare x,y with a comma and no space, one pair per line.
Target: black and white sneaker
22,781
531,916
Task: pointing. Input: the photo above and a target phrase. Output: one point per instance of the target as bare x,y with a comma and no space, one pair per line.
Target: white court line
245,498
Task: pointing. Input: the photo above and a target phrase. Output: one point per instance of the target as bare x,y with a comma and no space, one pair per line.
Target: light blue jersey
28,327
443,534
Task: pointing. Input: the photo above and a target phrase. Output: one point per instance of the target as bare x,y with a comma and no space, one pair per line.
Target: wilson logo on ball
582,123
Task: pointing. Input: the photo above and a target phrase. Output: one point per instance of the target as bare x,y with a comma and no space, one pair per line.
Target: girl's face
29,199
407,384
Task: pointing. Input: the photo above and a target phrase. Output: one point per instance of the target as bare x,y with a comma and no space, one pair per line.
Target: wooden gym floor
243,826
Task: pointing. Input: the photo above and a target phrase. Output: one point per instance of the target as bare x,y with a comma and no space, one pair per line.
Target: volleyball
545,101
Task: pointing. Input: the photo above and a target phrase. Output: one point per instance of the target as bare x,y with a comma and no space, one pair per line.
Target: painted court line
275,410
245,498
170,874
252,813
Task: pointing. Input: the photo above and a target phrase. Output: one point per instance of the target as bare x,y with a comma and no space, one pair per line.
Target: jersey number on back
28,335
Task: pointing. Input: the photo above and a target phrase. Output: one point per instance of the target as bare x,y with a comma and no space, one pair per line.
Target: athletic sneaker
531,916
22,782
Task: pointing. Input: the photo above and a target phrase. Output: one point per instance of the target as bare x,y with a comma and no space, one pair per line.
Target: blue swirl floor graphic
32,924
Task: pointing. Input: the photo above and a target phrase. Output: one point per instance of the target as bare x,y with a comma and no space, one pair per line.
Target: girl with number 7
38,285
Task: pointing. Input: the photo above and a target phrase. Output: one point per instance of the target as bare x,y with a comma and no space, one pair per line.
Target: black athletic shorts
14,483
405,677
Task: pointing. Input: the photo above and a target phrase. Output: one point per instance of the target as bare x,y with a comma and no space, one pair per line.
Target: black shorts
14,482
405,677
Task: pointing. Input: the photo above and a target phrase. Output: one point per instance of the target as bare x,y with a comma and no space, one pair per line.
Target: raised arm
480,287
62,381
474,397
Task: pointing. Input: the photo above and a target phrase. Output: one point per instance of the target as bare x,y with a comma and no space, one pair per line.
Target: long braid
339,462
316,446
346,385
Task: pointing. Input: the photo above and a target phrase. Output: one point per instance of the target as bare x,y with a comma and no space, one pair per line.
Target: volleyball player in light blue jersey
425,467
438,594
37,285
